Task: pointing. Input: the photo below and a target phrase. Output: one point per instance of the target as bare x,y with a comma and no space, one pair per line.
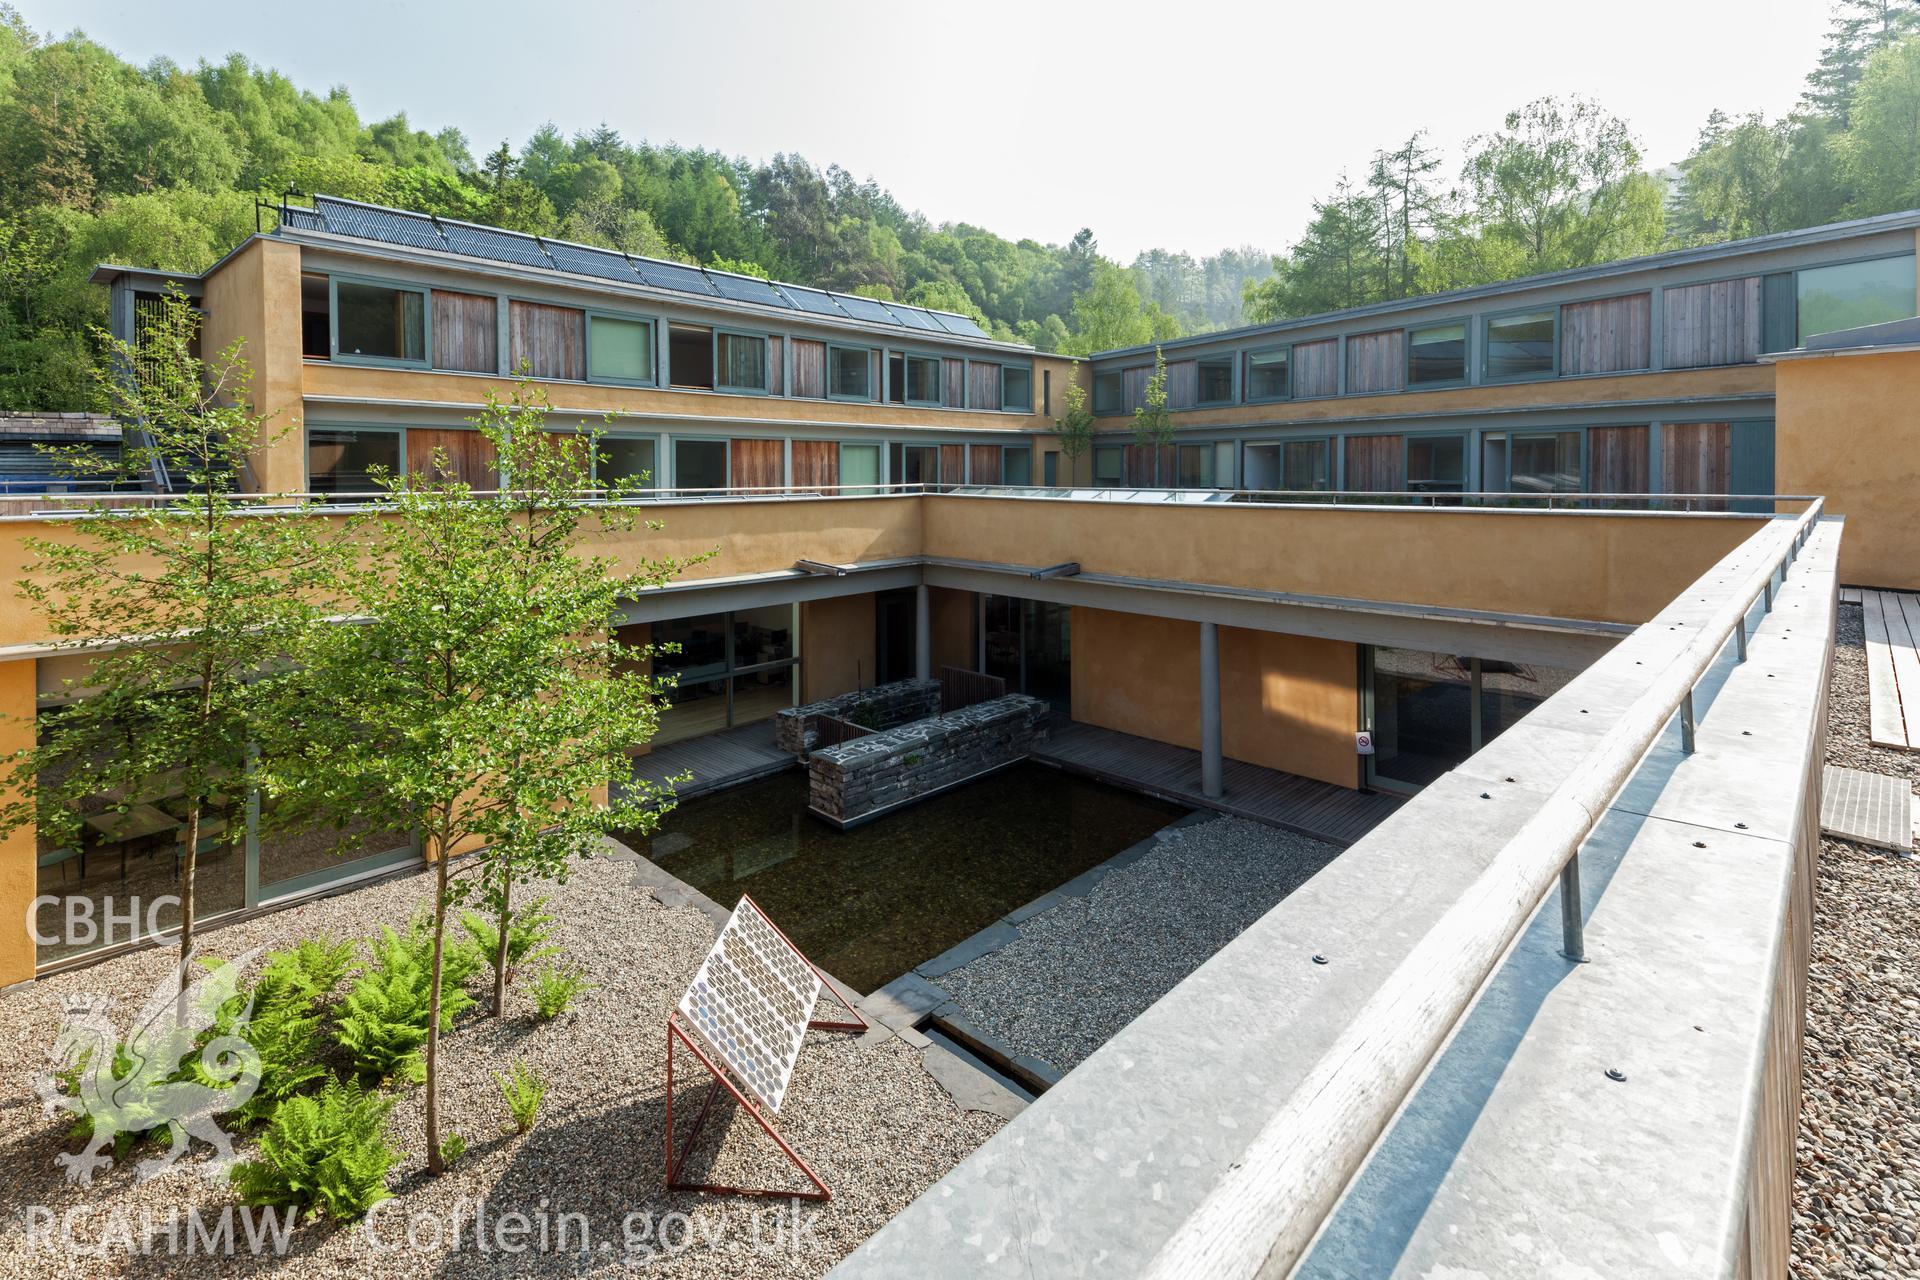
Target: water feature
867,905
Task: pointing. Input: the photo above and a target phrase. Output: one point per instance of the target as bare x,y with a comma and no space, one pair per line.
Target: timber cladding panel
1696,457
1376,464
953,463
1617,460
776,367
1708,324
1376,361
953,382
809,368
466,333
1610,335
1183,383
983,386
551,341
1134,387
986,464
468,455
1316,368
756,463
816,462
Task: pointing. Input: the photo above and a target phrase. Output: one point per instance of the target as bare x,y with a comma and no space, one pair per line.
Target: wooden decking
1893,668
1326,812
715,759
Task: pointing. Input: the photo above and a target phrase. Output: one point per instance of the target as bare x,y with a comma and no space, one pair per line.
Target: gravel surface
1083,970
868,1118
1856,1209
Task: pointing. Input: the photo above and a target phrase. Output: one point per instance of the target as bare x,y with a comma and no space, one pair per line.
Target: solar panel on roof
817,301
747,289
865,308
672,275
958,325
914,317
379,224
604,263
501,246
302,219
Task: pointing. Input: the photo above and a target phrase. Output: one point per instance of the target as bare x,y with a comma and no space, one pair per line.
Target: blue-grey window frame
1027,367
1487,377
384,428
1119,403
867,362
1466,354
379,362
1246,380
673,445
653,349
1229,358
766,364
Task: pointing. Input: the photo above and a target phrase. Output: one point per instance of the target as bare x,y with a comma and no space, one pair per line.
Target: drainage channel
1009,1074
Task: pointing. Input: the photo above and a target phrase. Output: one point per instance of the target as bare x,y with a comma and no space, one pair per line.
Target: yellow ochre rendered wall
254,297
1286,702
1848,427
836,646
19,870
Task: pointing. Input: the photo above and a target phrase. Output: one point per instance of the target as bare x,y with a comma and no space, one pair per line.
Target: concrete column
923,632
1210,711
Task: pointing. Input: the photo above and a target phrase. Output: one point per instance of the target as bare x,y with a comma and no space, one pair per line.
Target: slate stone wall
856,779
881,707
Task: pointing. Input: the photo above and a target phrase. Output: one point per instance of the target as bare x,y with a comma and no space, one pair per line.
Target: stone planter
881,707
855,781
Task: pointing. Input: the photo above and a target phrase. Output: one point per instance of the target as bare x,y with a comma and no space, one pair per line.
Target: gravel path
871,1121
1083,970
1856,1208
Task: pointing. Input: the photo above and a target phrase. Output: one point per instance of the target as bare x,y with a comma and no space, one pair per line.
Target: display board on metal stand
745,1016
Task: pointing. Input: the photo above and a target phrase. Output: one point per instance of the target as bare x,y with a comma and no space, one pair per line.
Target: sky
1188,126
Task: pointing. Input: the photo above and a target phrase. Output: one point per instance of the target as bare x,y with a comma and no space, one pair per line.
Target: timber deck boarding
1337,815
715,759
1893,667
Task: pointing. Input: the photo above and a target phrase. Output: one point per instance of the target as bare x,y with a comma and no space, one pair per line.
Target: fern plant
527,936
383,1020
523,1090
555,987
326,1150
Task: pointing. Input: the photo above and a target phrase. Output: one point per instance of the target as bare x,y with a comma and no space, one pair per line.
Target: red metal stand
676,1160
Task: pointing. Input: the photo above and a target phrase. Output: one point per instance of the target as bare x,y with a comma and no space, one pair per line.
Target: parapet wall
858,780
881,707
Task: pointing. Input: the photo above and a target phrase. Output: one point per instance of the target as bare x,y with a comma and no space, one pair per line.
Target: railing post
1740,633
1767,592
1573,929
1686,723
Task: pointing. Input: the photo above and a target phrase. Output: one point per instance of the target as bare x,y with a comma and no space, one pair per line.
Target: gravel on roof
1856,1205
864,1113
1081,971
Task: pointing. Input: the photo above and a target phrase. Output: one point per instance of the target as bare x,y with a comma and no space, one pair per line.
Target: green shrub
314,965
527,933
452,1147
555,987
523,1091
326,1150
383,1020
286,1016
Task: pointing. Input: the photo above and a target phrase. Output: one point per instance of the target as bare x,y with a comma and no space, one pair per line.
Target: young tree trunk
500,951
189,864
435,1165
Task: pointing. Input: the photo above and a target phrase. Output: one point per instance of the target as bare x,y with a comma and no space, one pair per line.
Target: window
343,461
1050,468
897,378
1109,464
1046,392
1268,374
923,380
849,372
619,350
1303,466
1854,294
1196,466
739,362
1215,375
1437,354
699,464
859,467
915,463
1016,465
1108,388
316,316
379,322
1547,462
1016,388
690,356
1436,464
1521,345
731,669
628,458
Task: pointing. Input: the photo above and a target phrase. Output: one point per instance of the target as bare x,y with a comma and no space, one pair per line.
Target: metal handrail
1688,502
1261,1216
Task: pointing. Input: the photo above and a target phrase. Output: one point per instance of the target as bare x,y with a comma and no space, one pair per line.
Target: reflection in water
868,904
